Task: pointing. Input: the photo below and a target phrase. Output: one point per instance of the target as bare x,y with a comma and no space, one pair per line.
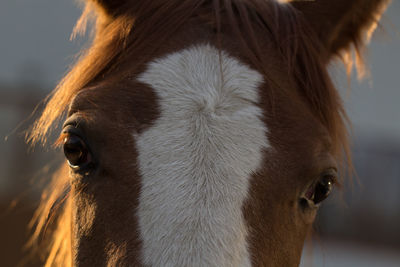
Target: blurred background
358,227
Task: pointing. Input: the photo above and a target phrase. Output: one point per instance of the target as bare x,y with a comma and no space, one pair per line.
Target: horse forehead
197,158
203,70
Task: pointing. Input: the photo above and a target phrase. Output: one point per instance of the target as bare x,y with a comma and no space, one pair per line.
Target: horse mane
116,38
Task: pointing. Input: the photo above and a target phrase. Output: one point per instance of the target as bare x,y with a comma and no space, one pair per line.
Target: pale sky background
35,46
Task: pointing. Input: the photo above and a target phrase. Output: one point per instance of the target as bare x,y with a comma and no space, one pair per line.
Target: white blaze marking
197,158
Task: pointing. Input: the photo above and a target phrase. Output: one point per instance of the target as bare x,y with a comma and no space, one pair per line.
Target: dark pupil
75,150
322,189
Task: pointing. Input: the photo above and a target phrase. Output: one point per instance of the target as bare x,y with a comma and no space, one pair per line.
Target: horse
198,132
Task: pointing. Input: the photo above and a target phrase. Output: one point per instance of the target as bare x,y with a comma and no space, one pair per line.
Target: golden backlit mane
117,38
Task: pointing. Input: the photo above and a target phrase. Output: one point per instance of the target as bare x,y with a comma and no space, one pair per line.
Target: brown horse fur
290,44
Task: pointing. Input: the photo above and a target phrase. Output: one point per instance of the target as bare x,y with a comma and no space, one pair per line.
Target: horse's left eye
319,191
76,152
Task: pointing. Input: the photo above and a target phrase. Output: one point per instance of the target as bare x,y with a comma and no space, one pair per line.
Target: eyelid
330,171
76,120
72,129
69,129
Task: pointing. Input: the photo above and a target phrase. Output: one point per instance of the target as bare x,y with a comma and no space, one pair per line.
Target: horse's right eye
320,190
76,152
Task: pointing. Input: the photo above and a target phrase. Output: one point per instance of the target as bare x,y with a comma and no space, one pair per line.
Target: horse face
197,155
180,165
